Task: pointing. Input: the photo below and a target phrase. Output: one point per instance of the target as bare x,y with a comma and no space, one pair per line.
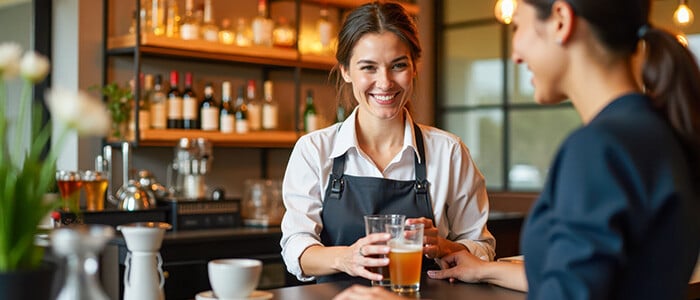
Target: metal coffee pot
132,196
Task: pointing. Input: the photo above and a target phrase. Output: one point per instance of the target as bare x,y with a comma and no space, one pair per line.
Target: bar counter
429,289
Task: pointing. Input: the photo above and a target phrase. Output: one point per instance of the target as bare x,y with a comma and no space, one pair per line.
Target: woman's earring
560,41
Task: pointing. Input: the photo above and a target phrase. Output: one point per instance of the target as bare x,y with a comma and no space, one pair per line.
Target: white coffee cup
234,278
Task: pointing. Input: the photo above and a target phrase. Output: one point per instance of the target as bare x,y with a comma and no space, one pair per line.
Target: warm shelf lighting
683,16
504,10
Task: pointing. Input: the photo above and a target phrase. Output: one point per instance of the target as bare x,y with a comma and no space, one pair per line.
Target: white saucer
255,295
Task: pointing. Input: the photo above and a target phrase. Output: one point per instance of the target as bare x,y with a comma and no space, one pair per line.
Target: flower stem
24,103
3,123
3,98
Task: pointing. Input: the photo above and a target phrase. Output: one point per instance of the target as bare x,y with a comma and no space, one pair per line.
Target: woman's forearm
506,274
319,260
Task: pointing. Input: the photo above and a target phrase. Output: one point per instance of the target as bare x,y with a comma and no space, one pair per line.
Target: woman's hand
367,293
434,246
461,265
369,251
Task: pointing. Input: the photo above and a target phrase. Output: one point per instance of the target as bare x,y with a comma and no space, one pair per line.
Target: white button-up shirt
457,189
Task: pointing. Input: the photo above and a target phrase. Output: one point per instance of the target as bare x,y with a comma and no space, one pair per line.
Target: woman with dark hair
618,216
378,161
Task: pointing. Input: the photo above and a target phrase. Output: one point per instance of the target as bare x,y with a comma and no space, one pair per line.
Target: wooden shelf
199,49
410,7
258,139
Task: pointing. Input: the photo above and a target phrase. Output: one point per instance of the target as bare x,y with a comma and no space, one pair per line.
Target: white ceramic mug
234,278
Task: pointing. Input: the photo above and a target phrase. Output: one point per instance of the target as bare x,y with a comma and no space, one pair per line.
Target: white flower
9,59
34,66
78,110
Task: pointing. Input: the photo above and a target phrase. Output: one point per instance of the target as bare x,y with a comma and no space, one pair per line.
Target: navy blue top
618,216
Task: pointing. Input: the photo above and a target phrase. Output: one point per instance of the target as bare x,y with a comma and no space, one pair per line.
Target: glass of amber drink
95,185
69,183
377,224
405,257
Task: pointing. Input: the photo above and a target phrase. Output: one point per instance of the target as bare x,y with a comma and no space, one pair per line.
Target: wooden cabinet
127,54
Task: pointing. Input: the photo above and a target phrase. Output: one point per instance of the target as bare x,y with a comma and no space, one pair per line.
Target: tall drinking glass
406,257
377,224
69,183
95,184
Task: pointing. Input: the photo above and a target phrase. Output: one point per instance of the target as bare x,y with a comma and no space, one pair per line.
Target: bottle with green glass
310,116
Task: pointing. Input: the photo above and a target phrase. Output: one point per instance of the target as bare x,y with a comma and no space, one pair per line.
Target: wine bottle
158,17
241,112
284,35
145,103
226,35
208,110
310,117
254,108
159,117
174,102
270,109
210,32
325,31
189,30
262,26
227,117
190,105
172,21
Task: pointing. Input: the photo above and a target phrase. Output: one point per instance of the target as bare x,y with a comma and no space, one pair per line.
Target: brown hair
374,17
670,73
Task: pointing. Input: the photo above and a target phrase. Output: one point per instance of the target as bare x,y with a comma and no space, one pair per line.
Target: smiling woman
378,161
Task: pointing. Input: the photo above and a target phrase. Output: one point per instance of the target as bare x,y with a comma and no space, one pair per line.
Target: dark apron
350,198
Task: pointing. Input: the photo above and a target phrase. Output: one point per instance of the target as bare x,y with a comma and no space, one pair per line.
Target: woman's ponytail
672,78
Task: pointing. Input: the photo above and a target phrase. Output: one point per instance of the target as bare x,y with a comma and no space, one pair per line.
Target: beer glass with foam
405,257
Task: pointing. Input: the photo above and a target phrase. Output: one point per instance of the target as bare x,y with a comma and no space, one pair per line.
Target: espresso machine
187,173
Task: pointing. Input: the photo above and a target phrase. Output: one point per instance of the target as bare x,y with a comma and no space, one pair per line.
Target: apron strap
422,183
337,181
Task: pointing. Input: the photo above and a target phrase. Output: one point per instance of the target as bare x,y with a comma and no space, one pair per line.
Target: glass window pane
466,10
521,90
535,138
694,44
482,132
473,69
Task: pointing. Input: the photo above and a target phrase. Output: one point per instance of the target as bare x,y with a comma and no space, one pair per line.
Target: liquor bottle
174,102
190,105
208,110
227,118
310,117
210,32
244,37
226,36
241,112
132,26
254,108
270,108
158,17
284,35
325,31
144,15
172,21
189,30
262,26
158,101
145,103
